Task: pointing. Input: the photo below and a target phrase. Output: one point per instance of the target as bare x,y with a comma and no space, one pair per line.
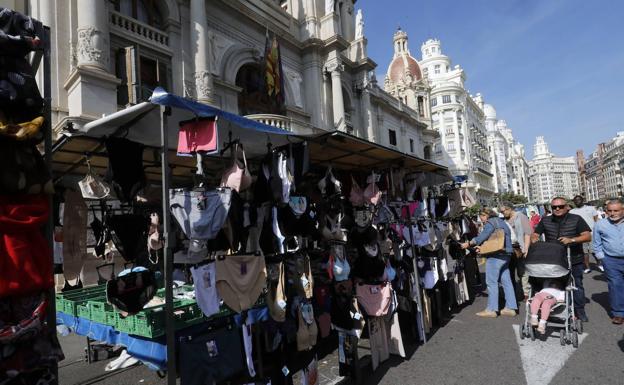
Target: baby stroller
545,260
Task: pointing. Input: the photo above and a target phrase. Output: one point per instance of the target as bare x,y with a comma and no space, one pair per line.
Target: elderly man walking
571,230
609,248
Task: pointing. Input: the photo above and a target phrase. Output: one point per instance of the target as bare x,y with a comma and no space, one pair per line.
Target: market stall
267,245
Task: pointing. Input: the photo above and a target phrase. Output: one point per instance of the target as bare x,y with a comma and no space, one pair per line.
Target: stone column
93,46
337,98
200,45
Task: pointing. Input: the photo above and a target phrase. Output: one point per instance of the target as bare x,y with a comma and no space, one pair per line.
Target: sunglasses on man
558,207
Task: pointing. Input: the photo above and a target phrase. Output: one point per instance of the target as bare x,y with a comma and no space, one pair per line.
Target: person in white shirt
590,215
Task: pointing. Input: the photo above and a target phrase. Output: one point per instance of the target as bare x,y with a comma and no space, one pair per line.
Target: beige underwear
240,280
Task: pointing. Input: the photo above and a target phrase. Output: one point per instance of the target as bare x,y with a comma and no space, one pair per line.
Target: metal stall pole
421,318
49,229
169,321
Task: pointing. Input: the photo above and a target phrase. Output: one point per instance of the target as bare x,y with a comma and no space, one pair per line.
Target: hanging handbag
495,243
237,177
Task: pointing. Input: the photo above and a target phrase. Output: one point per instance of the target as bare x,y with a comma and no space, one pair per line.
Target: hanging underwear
329,185
127,233
200,214
332,229
356,196
307,331
125,167
205,282
131,290
339,264
240,280
302,276
212,357
374,299
297,218
276,295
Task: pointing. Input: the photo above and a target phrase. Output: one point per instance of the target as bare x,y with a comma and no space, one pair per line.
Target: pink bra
237,177
372,194
356,196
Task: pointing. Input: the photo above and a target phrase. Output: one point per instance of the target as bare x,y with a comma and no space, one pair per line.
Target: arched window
252,99
421,106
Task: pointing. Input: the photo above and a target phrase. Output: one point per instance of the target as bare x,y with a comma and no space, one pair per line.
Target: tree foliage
511,198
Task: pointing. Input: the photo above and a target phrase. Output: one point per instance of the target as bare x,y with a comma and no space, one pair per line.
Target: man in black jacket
571,230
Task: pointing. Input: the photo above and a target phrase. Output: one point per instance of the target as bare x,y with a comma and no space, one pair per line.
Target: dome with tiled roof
403,63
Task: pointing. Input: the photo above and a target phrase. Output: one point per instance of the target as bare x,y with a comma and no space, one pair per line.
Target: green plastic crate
100,310
69,304
83,311
125,325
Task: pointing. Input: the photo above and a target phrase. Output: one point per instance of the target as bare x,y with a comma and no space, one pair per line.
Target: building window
140,73
434,101
427,51
411,145
448,68
421,106
436,69
450,146
251,99
392,137
427,152
446,99
425,71
457,99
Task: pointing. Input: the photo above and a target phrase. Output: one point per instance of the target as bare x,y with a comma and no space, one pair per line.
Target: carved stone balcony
279,121
127,26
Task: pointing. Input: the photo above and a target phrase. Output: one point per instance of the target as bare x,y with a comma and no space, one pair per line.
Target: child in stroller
549,271
543,302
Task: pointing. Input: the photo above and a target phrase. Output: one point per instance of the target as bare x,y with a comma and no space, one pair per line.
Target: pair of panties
276,295
200,214
240,280
211,358
374,299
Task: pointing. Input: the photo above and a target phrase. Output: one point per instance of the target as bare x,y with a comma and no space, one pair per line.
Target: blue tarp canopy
143,124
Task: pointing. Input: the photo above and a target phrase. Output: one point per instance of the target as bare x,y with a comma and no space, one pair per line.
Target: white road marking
542,360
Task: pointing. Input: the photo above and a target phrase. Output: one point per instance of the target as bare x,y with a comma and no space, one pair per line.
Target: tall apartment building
613,166
550,175
460,120
509,165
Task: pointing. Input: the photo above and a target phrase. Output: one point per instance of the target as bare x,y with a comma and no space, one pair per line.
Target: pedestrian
496,265
590,215
572,231
609,248
521,226
534,219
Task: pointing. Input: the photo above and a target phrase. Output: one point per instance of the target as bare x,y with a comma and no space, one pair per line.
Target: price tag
304,280
281,303
285,371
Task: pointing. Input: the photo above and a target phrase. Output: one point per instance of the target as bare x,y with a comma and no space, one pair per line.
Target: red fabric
198,135
535,219
25,258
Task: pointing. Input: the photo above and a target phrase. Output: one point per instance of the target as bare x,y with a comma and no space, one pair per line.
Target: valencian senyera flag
273,77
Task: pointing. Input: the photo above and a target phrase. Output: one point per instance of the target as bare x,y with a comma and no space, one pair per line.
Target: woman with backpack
494,242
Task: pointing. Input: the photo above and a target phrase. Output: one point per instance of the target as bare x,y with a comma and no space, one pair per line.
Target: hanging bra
372,194
329,185
363,218
340,268
332,230
356,196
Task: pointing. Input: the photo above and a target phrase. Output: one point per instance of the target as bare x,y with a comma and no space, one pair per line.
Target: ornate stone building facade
108,54
550,175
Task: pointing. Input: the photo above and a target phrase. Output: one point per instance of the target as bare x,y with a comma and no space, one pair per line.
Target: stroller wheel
579,326
523,332
562,338
575,341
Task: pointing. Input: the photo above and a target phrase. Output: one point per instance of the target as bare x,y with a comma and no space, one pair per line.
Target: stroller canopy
547,260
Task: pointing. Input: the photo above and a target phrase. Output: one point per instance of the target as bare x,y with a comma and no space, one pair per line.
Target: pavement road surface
467,350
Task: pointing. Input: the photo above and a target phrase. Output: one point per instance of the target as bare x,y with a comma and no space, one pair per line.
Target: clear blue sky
549,67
